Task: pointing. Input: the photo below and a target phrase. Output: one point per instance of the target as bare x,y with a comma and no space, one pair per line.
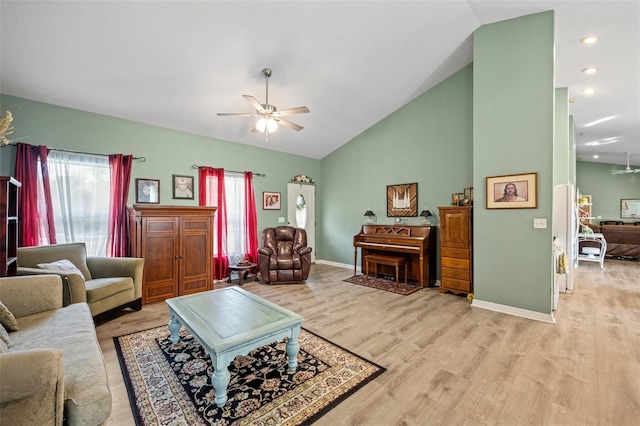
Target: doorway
301,208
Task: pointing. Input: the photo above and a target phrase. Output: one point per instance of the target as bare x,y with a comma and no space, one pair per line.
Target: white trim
336,264
510,310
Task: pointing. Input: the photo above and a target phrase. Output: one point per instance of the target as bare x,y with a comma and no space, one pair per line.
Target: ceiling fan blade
290,111
238,114
254,102
288,124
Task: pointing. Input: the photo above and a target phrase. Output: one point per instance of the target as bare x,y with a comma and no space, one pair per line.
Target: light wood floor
450,364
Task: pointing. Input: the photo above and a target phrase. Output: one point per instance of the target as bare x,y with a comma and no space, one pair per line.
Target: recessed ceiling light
596,156
571,100
602,120
598,143
589,91
589,39
590,70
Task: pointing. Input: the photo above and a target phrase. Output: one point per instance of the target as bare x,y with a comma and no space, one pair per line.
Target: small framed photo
147,191
468,195
512,191
182,187
271,201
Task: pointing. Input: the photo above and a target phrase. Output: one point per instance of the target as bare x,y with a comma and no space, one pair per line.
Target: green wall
428,141
606,189
167,152
513,126
563,154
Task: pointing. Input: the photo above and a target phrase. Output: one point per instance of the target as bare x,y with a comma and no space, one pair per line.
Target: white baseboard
518,312
336,264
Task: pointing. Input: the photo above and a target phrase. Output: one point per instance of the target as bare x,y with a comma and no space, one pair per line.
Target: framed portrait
402,200
468,195
512,191
182,187
271,201
630,208
147,191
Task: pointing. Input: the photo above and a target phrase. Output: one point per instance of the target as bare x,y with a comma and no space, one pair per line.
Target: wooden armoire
176,243
456,249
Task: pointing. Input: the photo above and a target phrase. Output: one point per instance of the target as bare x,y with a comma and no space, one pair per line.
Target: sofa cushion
7,319
71,331
63,265
102,288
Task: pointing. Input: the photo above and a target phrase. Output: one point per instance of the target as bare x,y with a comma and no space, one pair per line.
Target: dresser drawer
455,284
459,274
450,262
455,252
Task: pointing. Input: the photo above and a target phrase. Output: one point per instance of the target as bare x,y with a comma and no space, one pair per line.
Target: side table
242,270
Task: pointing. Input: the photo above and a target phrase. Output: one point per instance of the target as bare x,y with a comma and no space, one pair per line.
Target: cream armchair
105,283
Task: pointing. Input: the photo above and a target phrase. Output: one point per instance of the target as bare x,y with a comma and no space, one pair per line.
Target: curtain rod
138,159
195,167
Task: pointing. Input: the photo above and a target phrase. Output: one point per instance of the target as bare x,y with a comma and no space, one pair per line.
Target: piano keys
415,243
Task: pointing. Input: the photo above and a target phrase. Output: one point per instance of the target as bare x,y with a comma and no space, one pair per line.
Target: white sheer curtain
234,187
80,188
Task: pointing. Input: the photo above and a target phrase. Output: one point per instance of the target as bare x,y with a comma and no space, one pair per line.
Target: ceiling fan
627,170
269,115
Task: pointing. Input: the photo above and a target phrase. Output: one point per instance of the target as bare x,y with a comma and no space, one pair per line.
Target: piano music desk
386,260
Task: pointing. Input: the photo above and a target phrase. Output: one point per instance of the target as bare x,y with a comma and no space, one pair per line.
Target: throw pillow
7,319
4,336
64,265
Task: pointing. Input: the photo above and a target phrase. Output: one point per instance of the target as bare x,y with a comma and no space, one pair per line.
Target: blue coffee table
230,322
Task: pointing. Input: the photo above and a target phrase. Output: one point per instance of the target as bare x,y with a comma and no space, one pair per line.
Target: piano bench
381,259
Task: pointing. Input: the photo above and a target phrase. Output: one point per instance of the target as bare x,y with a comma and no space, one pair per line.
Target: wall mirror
630,208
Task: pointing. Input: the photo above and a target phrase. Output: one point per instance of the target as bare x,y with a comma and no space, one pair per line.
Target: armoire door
195,255
160,250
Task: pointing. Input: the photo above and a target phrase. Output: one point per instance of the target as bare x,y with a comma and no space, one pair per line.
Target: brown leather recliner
284,255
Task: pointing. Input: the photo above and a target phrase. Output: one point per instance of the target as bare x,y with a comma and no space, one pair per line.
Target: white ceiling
176,64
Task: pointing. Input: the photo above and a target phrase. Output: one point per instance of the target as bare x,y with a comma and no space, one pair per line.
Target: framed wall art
271,200
182,187
402,200
147,191
512,191
630,208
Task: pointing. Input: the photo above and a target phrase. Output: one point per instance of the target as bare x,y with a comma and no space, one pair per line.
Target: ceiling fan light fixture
269,124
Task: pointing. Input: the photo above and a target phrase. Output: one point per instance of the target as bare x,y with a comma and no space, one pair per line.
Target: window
234,188
80,192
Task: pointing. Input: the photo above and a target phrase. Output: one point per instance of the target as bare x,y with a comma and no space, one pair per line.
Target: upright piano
415,243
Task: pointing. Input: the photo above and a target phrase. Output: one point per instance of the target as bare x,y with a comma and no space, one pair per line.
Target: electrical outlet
540,223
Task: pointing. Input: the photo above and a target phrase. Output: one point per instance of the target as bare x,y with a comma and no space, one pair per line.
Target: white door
301,211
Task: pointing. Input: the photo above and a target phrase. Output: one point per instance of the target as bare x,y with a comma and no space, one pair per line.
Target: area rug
384,284
171,384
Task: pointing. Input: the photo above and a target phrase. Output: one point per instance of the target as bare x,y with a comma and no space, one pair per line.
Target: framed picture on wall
402,200
147,191
512,191
271,201
182,187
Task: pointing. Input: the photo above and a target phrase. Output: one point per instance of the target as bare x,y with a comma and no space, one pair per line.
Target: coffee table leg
174,328
293,347
220,380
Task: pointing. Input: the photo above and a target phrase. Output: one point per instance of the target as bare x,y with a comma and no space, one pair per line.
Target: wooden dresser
456,249
177,246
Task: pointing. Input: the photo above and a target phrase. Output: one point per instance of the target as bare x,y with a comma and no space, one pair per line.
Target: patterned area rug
171,384
384,284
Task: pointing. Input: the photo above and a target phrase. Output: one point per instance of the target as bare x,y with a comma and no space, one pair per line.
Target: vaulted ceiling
176,64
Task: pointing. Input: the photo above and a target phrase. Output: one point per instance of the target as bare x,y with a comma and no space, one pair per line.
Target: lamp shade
369,213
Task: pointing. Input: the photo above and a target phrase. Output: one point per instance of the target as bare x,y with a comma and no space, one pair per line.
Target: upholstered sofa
284,255
105,283
52,369
622,240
